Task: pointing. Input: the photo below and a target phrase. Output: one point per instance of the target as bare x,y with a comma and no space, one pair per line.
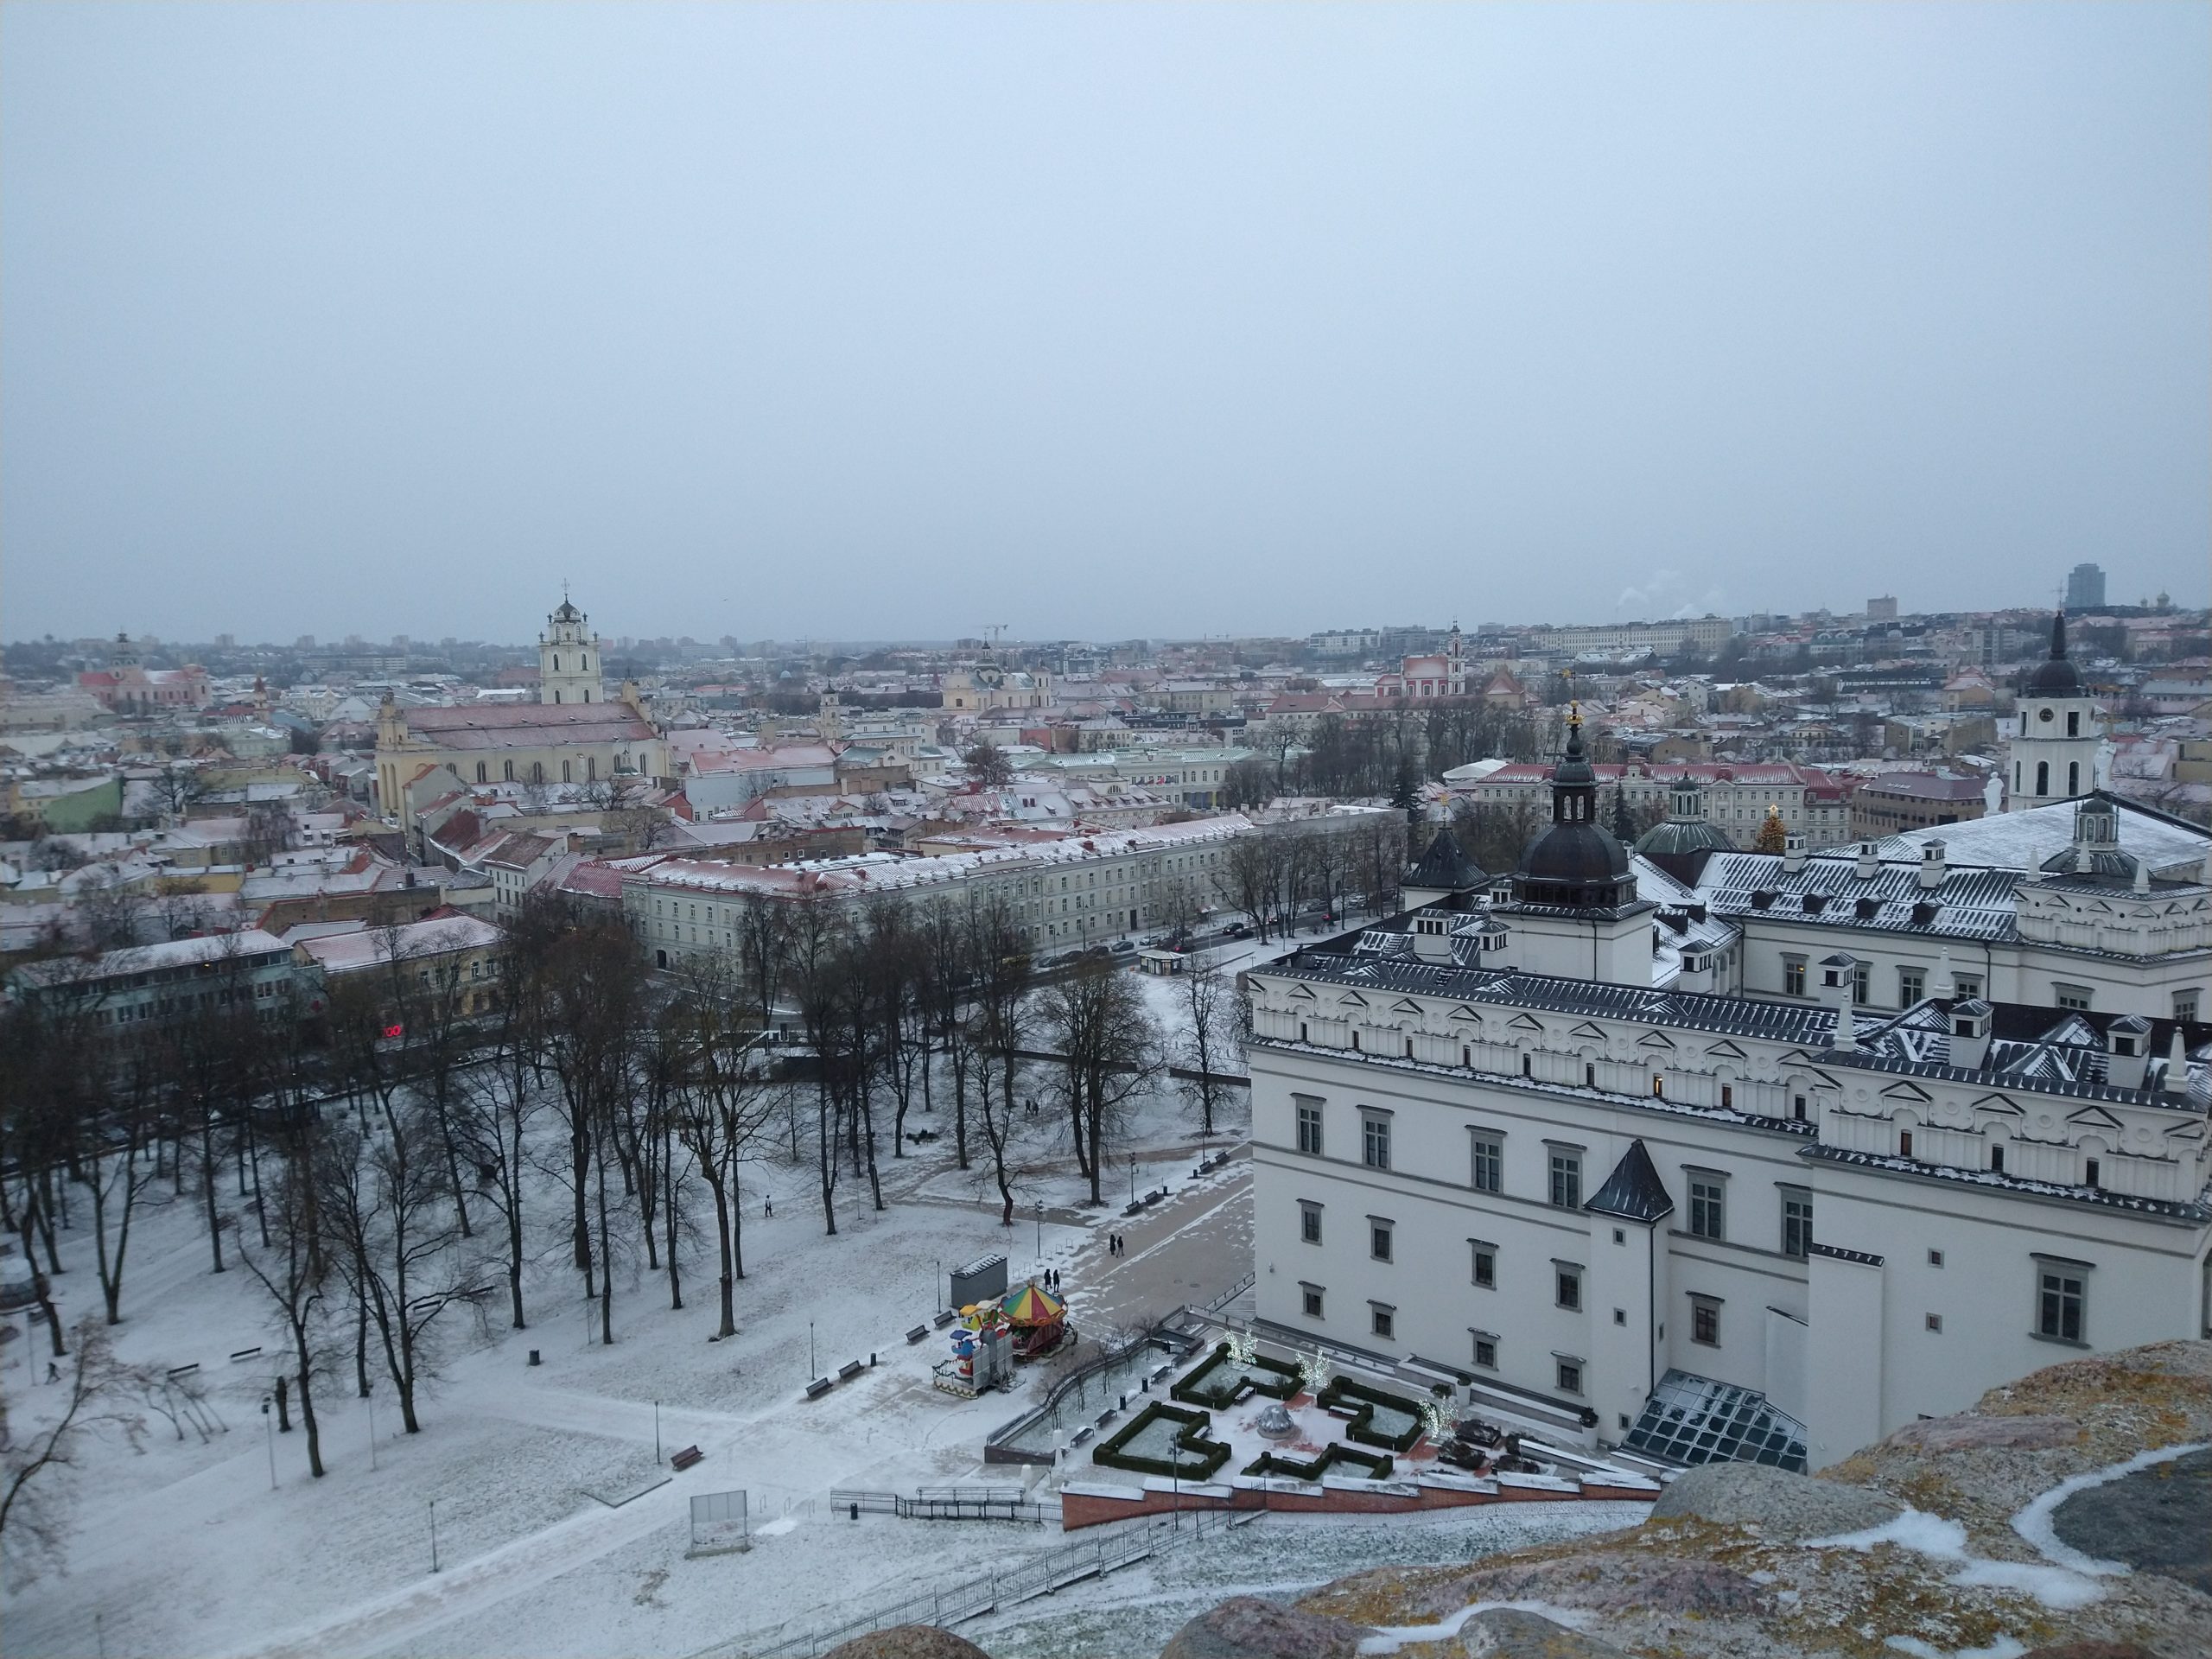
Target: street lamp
371,1398
433,1535
810,1372
1133,1178
1040,1230
270,1423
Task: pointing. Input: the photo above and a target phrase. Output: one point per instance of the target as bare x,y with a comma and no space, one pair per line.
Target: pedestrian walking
767,1205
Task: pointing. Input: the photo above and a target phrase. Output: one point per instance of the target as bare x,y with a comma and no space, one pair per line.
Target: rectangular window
1309,1223
1935,1258
1967,985
1485,1268
1793,975
1485,1351
1567,1179
1383,1321
1374,1140
1862,983
1489,1174
2062,1297
1912,985
1311,1302
1707,1194
1309,1127
1936,1322
1705,1321
1797,1223
1567,1286
1378,1239
2185,1006
2072,996
1569,1376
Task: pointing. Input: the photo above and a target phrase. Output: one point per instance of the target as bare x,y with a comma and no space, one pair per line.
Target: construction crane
995,630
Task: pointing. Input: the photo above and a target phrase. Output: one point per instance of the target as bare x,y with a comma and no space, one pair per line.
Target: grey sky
885,321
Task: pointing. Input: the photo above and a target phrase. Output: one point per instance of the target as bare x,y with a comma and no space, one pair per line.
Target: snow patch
2004,1647
2034,1524
2058,1587
777,1527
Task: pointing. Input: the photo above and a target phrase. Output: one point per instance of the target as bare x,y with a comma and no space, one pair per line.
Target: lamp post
1133,1178
1040,1230
810,1372
656,1431
372,1398
937,1284
270,1423
433,1535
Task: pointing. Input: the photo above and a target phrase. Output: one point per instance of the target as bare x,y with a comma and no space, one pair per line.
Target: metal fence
946,1504
1054,1570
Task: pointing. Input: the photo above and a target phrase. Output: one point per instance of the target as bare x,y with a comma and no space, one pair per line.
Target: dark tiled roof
1445,867
2198,1208
1634,1191
1787,1022
1969,903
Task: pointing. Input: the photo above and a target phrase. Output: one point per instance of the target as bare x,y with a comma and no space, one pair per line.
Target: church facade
573,736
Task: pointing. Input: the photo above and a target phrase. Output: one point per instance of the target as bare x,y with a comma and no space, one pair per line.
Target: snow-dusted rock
1245,1627
1789,1508
1967,1431
908,1642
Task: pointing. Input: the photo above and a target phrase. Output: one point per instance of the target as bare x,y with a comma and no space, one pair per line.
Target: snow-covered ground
183,1547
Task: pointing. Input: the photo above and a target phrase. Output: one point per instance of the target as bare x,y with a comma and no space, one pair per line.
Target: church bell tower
2052,748
568,668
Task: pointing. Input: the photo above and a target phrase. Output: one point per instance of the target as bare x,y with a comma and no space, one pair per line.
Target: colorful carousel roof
1030,1305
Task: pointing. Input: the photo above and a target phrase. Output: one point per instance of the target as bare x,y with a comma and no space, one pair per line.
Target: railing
1054,1570
947,1503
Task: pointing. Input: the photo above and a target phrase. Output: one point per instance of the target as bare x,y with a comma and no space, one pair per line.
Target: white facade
570,666
1805,1167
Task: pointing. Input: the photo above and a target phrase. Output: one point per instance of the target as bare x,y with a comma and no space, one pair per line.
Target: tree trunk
307,1401
719,1186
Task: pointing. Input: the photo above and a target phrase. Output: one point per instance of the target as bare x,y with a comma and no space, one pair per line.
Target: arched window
538,771
2016,772
507,770
591,767
587,694
2043,777
564,773
557,694
2073,777
2074,723
583,663
557,662
483,773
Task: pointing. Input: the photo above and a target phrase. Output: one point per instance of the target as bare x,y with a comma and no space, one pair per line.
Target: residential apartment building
151,985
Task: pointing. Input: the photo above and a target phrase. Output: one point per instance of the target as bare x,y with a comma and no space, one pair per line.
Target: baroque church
574,736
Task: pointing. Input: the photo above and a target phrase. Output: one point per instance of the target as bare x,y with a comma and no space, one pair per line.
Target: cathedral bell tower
2052,748
568,668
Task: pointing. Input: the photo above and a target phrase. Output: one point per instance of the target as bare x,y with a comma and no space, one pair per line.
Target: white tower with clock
569,665
2052,754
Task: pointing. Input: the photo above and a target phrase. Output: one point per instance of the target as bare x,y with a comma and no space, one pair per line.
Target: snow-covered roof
346,953
2023,839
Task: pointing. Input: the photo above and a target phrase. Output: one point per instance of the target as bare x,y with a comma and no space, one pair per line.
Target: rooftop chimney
1846,1029
2128,1051
1793,854
2176,1067
1970,1034
1932,867
1869,866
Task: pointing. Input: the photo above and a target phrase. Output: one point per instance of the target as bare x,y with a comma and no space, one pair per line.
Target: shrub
1341,1392
1191,1437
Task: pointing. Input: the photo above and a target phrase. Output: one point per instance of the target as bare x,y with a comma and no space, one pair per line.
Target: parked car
1237,931
1124,949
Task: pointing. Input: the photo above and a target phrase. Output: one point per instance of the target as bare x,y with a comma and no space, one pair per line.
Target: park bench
820,1386
686,1458
918,1333
849,1369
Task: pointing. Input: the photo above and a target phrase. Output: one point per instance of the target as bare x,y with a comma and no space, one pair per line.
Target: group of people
1052,1278
1116,1245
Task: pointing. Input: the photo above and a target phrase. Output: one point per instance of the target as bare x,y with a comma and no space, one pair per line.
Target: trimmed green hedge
1341,1392
1374,1466
1211,1454
1191,1391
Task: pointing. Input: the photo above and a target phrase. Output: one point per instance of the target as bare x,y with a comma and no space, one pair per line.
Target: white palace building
1763,1166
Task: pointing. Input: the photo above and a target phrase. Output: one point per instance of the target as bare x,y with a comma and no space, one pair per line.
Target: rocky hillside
2068,1513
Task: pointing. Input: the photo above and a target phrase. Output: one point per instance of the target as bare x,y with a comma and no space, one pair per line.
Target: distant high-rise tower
1884,609
2085,588
568,669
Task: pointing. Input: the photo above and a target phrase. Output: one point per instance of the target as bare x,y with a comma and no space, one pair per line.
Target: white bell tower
568,666
2051,751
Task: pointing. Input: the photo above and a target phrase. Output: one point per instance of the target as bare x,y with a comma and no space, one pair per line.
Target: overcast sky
896,321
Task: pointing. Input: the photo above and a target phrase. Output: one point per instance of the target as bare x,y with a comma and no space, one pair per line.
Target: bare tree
34,1485
728,1101
1212,1037
1110,1046
988,765
292,1273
